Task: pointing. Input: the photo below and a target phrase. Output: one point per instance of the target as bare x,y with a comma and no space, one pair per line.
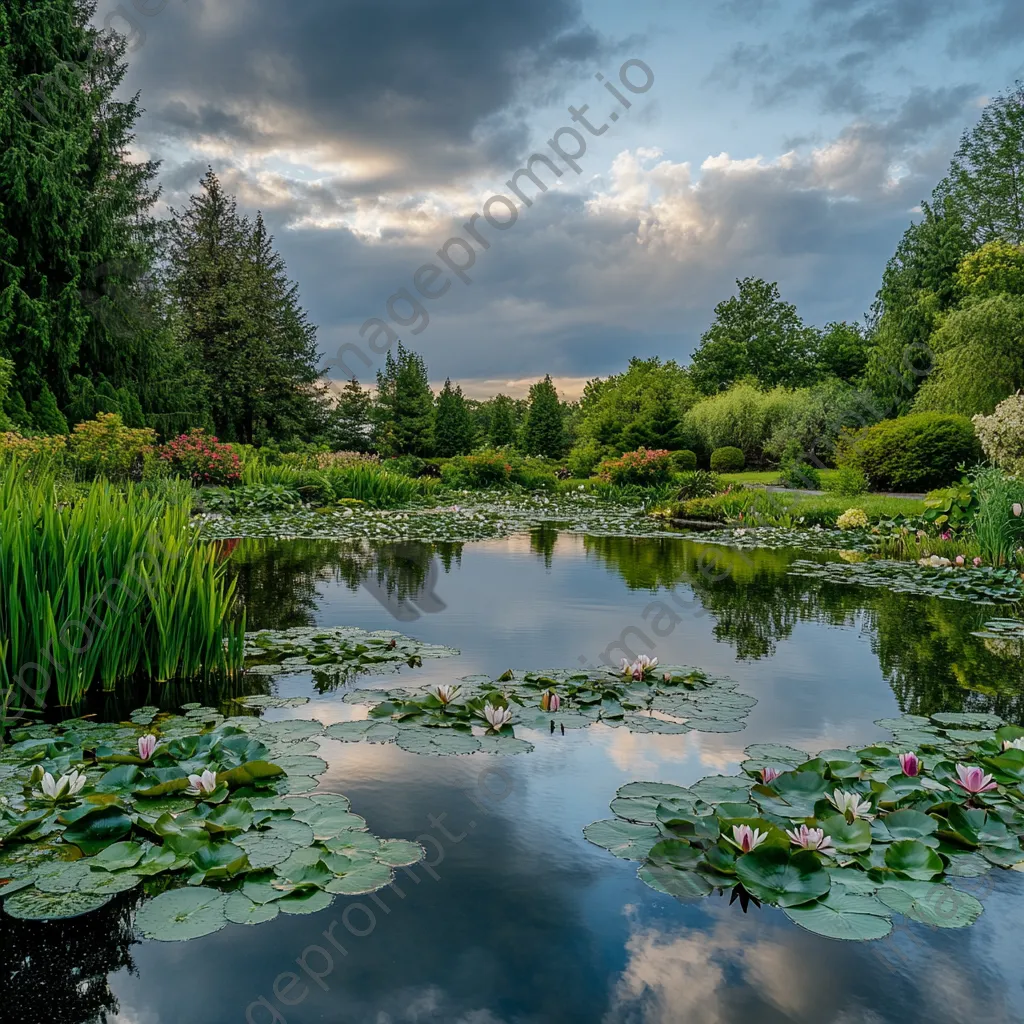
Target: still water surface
520,920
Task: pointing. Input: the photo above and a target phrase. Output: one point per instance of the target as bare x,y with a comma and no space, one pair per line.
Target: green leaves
182,914
912,858
773,876
843,915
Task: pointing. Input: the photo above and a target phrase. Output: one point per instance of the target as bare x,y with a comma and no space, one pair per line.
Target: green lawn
769,477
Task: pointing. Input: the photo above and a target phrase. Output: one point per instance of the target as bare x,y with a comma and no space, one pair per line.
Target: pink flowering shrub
202,459
640,467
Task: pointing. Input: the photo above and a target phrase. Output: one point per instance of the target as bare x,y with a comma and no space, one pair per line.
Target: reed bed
104,586
360,481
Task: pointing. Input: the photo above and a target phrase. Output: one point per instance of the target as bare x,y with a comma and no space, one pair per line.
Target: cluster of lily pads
475,517
775,538
1002,629
843,840
345,650
979,585
215,818
479,713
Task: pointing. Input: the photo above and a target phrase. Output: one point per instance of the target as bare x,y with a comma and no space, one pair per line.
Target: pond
514,917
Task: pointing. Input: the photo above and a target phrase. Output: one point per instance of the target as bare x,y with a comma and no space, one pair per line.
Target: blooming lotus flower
910,764
550,701
850,805
811,839
445,694
204,784
973,780
64,788
746,838
1017,744
769,775
497,718
147,744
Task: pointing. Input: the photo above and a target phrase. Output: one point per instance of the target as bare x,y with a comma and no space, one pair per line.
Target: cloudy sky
789,139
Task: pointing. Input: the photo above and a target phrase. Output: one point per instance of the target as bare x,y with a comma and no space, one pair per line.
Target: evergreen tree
503,422
544,429
75,235
453,428
46,417
404,410
352,427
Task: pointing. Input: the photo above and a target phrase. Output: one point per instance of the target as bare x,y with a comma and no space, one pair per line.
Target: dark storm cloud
429,86
1001,26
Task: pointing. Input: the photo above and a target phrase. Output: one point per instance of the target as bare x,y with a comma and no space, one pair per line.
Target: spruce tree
544,430
351,424
453,427
503,422
404,409
46,417
74,225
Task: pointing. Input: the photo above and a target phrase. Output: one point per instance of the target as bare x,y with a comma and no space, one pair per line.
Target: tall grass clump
102,586
364,481
999,522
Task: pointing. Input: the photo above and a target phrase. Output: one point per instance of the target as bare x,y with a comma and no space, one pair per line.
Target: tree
352,425
755,334
544,429
453,428
841,351
503,428
75,232
404,409
997,268
985,183
46,417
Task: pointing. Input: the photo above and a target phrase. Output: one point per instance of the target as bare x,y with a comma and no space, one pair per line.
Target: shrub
22,448
642,468
800,476
684,461
202,459
533,474
698,484
1002,435
466,472
105,447
853,519
727,460
848,482
743,417
584,459
917,452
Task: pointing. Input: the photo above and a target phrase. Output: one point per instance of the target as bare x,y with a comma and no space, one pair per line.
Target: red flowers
203,459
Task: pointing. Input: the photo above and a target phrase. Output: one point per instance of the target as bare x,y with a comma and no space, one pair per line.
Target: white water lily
1017,744
811,839
851,805
203,784
63,788
497,718
445,694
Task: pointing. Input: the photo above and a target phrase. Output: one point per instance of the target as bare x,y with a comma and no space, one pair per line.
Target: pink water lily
811,839
959,559
746,838
147,745
973,780
550,701
497,717
769,775
203,784
977,562
640,668
911,764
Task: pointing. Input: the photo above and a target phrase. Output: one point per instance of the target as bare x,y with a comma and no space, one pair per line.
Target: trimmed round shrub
919,452
684,461
727,460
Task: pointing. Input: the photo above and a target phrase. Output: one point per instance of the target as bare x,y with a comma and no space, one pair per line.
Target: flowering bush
1002,434
19,447
106,447
640,467
853,519
202,459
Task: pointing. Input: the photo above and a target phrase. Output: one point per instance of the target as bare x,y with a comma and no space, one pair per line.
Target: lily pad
773,876
937,905
622,838
34,905
398,853
843,915
239,909
182,914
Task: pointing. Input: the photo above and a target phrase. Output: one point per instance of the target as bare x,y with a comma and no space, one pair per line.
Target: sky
787,139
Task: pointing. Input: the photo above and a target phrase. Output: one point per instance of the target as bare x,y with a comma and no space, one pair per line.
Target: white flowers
497,718
147,745
850,805
445,694
1017,744
204,784
640,668
64,788
746,838
811,839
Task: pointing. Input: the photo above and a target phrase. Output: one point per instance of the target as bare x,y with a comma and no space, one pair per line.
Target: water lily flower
973,780
960,559
910,764
850,805
977,562
204,784
667,677
811,839
946,535
445,694
769,775
550,701
497,718
63,788
147,745
746,838
1018,509
1017,744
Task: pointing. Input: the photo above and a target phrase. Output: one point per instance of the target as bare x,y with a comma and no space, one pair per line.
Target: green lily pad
684,885
912,858
311,901
773,876
399,853
622,838
436,741
843,915
34,905
937,905
361,879
182,914
239,909
264,851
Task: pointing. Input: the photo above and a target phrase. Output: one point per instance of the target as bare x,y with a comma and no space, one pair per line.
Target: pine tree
74,225
352,427
404,410
46,417
503,422
453,428
544,430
